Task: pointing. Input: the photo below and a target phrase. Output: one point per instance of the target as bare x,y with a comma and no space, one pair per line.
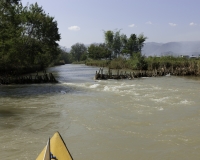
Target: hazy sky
84,21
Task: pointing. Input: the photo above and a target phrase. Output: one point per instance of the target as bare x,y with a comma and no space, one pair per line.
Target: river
145,118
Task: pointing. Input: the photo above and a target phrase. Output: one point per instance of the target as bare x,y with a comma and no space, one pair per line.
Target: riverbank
148,67
25,75
130,74
127,74
27,79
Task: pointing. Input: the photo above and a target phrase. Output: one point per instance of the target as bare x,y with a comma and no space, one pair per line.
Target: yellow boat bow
55,149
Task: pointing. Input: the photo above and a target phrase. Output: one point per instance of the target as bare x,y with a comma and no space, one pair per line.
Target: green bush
118,63
98,63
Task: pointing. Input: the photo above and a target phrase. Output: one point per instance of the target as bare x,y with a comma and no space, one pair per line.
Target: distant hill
172,48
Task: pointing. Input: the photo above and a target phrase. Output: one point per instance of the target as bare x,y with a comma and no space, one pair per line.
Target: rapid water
146,118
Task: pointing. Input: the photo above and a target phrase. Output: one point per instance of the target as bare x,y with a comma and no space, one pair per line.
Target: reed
98,63
159,65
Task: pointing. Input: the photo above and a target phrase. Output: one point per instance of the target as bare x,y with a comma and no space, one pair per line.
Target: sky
162,21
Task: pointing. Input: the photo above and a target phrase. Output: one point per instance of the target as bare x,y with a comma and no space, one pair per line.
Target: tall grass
171,64
98,63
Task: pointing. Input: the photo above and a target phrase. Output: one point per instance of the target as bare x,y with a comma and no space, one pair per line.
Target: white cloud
74,28
149,22
132,25
172,24
192,24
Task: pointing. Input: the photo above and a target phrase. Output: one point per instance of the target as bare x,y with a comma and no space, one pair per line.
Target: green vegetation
28,38
139,62
78,52
120,52
119,45
116,45
173,63
98,51
63,57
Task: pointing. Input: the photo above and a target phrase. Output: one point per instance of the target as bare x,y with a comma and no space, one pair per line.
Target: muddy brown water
146,118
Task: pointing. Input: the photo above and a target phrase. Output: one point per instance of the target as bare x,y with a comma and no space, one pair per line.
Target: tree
77,50
93,51
114,42
39,35
117,44
124,41
132,46
140,41
28,36
98,51
105,52
109,38
10,30
63,56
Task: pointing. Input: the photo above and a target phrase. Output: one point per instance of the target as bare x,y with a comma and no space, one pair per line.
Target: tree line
28,36
29,41
115,45
121,52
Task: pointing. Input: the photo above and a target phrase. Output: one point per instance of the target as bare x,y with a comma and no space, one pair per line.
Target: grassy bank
166,64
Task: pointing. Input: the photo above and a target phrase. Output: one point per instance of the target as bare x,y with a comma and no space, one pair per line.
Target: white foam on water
134,93
173,90
163,99
145,89
144,112
106,88
29,107
156,88
185,102
148,95
183,139
145,77
94,86
112,88
116,87
133,85
63,92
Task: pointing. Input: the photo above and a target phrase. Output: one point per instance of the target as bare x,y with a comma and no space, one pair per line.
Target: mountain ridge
190,48
172,48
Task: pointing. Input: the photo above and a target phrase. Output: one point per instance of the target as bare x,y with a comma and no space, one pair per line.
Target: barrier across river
28,79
